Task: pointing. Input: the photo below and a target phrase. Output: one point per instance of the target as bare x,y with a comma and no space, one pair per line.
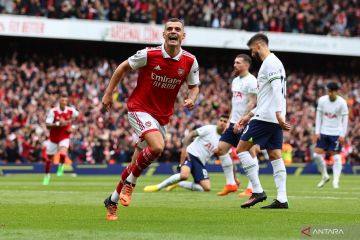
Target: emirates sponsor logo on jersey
164,81
181,71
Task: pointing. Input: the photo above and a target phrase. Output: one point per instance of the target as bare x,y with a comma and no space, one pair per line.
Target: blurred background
75,45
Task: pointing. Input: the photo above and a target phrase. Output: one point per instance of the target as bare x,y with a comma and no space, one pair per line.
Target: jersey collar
166,55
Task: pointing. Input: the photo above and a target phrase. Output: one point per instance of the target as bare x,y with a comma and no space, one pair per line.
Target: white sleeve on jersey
320,106
138,60
50,117
278,95
75,113
193,77
201,131
252,86
345,118
318,119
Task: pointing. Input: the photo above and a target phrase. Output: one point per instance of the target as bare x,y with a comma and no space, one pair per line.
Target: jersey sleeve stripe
274,78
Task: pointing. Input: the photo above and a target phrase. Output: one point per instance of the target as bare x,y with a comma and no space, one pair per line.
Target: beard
257,57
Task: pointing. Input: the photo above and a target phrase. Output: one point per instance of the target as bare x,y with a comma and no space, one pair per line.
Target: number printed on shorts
205,173
246,129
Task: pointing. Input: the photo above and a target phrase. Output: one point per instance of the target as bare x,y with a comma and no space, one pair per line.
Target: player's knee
205,185
222,151
273,155
206,188
184,176
157,149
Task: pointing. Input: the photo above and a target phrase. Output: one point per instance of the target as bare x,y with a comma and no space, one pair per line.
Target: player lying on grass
194,158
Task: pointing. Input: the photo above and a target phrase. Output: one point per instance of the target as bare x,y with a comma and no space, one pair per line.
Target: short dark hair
175,20
258,37
246,58
333,86
224,116
63,95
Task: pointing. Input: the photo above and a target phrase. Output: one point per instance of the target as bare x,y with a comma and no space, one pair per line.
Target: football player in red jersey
58,121
162,71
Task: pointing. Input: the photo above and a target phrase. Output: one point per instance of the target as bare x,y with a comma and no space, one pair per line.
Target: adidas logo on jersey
157,67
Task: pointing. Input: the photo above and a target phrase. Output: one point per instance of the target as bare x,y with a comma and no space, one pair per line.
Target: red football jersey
57,134
159,81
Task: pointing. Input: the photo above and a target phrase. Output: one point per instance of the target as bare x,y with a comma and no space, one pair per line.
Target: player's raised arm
118,75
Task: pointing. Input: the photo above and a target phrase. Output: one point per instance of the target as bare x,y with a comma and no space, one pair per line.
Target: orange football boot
228,189
125,194
246,193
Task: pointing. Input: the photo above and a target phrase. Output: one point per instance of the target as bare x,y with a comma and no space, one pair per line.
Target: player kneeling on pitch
194,158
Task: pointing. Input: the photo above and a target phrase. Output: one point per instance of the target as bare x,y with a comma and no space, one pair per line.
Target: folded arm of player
121,70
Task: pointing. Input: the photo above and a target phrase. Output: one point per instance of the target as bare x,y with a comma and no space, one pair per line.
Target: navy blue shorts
267,134
198,170
329,143
230,137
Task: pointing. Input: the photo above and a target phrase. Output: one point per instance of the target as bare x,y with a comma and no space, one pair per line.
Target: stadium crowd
29,89
323,17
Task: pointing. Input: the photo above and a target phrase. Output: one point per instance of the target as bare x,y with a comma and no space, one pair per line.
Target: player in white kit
330,130
244,89
266,125
194,158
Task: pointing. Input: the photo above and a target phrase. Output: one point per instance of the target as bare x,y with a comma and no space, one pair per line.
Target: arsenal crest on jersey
181,71
148,124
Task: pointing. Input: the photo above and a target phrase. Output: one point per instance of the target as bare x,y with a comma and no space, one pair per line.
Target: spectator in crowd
28,88
339,18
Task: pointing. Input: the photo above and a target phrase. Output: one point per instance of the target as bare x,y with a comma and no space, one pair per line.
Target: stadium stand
29,83
338,18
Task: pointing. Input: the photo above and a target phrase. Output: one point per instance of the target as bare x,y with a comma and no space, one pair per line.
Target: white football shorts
53,148
143,123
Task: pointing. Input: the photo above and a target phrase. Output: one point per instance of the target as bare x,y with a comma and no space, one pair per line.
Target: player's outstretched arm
189,102
118,75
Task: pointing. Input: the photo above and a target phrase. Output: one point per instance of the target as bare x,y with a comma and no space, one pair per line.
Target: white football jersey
241,87
271,69
204,145
331,115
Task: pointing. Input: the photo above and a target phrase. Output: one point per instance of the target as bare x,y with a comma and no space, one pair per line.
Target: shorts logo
148,124
181,71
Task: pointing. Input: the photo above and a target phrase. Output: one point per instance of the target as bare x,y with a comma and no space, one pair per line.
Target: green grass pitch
72,208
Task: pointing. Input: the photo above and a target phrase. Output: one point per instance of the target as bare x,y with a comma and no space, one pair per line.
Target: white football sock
280,179
228,168
249,185
320,162
191,186
131,178
337,167
250,167
169,181
115,196
265,154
